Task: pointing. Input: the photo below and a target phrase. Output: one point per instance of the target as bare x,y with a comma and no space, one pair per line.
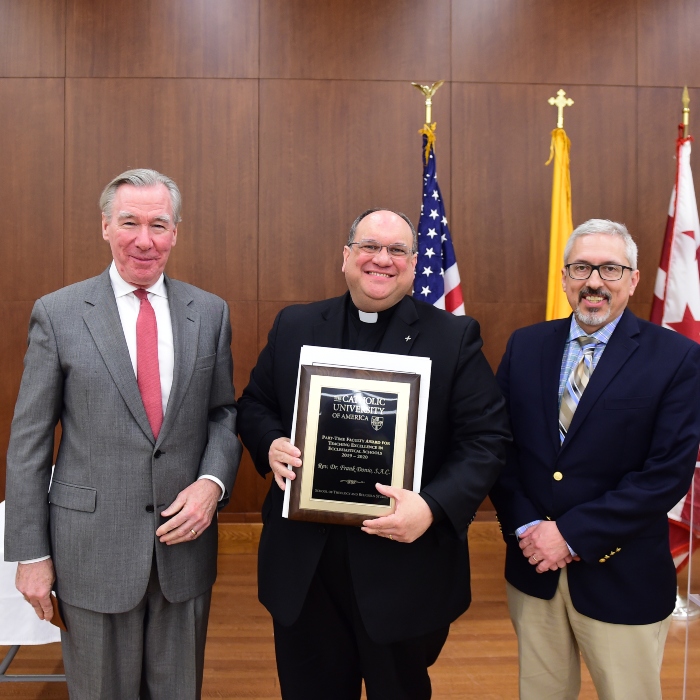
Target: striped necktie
576,384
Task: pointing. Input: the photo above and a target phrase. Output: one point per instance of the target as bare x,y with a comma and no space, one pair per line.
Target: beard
597,317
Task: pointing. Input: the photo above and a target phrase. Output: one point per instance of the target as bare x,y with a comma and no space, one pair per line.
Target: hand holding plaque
355,428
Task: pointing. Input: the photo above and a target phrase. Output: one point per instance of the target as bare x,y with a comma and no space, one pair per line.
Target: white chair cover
18,621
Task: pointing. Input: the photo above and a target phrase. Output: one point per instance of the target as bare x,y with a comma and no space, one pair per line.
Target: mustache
601,292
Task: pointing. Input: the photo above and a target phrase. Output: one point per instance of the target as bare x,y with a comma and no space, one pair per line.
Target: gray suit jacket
112,478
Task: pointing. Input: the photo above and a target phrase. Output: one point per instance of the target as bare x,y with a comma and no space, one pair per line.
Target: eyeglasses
607,271
396,250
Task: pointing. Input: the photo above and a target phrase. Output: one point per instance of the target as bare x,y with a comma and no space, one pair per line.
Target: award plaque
355,428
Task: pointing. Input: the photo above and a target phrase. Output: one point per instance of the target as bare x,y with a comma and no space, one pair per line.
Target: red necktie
147,371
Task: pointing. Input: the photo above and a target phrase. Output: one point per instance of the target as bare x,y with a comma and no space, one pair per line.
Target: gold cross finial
428,91
686,111
560,101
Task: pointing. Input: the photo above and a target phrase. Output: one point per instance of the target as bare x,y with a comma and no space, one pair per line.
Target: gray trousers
153,652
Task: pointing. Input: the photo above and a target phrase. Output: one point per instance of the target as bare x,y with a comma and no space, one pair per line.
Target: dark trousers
327,652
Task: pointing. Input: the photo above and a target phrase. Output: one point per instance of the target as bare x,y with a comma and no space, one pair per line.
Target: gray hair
611,228
355,224
141,177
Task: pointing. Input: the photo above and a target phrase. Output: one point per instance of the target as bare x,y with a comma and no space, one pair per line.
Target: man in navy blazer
583,507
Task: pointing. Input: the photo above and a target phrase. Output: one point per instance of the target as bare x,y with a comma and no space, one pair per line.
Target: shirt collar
602,335
122,288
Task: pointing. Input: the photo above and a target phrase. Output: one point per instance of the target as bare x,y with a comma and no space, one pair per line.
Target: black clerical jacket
402,590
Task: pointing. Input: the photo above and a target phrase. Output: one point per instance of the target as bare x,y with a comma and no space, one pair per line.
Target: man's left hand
192,512
544,547
407,523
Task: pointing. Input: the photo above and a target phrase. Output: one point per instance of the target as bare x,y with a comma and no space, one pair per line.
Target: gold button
602,561
558,476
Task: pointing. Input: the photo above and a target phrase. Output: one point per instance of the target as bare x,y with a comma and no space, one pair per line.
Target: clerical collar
365,317
372,317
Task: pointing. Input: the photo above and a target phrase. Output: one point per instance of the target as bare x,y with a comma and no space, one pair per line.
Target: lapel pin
408,337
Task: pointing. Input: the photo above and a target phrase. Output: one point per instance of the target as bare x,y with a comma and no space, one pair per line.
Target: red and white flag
677,306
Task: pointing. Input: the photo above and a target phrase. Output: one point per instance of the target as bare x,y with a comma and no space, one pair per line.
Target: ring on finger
194,533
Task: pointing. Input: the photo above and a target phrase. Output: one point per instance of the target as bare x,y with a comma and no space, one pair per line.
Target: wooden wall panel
355,39
14,321
501,190
603,153
668,48
31,187
659,112
162,38
544,41
328,151
248,494
32,38
244,345
498,320
203,134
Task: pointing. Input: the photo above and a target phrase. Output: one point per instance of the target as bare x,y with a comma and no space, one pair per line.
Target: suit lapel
402,330
104,323
552,355
620,347
185,322
328,333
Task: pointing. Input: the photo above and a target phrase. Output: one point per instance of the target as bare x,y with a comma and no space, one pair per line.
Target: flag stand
688,605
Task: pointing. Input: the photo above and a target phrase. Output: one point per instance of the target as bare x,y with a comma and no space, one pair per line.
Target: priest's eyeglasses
607,271
396,250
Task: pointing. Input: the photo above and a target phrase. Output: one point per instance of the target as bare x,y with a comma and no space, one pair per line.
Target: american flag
437,276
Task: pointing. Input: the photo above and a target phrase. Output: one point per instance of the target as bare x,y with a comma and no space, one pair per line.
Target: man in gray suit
137,368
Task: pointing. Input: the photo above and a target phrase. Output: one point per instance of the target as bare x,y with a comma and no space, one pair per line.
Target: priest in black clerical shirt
374,603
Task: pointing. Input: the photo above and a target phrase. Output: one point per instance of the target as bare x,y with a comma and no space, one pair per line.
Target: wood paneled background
282,119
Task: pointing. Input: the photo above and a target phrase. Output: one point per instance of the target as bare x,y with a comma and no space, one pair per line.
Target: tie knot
587,342
141,294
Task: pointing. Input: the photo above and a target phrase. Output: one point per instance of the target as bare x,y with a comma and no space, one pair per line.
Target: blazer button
149,508
323,529
558,476
157,454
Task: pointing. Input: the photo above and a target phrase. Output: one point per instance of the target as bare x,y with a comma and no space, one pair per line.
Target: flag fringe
428,130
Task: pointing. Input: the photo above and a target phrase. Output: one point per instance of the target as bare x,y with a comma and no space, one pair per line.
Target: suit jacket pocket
73,497
205,362
629,403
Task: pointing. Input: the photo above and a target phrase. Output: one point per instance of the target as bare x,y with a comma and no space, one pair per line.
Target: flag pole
428,91
686,111
561,223
437,280
560,101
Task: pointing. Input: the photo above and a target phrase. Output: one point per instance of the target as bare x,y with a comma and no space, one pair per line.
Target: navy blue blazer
627,459
402,590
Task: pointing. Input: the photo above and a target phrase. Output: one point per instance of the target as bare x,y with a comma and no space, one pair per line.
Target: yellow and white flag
561,225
